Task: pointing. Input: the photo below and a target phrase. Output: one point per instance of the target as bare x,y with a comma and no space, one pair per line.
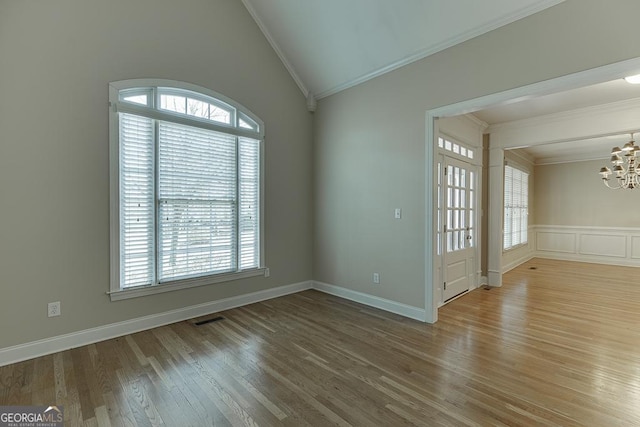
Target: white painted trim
590,112
524,156
431,269
546,87
372,301
46,346
581,253
482,125
622,262
561,160
423,53
587,228
64,342
276,48
177,285
515,263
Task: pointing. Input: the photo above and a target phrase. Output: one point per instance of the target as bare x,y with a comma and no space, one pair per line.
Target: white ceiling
602,93
575,99
330,45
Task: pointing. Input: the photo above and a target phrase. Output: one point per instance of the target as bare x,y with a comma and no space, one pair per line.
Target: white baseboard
517,262
46,346
58,343
373,301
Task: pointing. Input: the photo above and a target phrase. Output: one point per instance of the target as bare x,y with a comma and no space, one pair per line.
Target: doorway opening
572,81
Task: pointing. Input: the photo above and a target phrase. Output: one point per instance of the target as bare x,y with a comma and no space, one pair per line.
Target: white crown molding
482,125
276,48
525,157
561,160
421,54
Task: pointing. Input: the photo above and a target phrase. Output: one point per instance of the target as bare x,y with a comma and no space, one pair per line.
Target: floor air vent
204,322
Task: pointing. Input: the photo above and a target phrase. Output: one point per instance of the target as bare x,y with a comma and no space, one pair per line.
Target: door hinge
445,228
445,286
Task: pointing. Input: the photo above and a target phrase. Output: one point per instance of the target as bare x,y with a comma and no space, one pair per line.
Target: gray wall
369,148
56,60
573,194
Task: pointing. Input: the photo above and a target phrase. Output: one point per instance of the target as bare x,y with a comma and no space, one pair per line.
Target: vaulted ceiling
330,45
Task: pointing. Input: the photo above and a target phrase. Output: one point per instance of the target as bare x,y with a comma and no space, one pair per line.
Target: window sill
177,285
513,248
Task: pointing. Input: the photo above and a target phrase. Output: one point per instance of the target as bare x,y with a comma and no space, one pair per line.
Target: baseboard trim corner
405,310
513,264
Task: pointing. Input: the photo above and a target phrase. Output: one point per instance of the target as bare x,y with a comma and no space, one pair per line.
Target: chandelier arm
606,182
627,177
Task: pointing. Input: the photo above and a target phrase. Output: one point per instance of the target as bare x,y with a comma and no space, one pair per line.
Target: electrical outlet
376,278
267,272
397,214
53,309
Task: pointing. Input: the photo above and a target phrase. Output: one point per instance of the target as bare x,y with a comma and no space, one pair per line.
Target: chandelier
625,168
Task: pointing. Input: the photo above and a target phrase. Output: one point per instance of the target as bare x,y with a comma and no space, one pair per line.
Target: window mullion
238,207
156,198
184,186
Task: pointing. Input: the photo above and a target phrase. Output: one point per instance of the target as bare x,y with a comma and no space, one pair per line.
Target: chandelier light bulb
628,177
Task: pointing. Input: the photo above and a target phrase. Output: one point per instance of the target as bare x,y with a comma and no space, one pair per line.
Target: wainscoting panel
603,245
556,241
635,247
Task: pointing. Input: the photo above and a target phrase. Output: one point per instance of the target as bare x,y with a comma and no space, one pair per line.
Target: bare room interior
237,212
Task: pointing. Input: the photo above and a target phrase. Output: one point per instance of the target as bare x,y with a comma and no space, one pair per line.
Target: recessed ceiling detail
331,45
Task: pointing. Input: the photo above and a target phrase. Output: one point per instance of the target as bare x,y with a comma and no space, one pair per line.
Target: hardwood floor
558,345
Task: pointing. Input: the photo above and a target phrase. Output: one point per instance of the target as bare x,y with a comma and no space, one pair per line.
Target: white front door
459,228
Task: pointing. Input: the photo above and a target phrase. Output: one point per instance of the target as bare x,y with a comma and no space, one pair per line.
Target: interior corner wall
369,148
572,194
57,58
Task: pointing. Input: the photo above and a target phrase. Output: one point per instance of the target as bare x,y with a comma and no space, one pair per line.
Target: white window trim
115,106
477,151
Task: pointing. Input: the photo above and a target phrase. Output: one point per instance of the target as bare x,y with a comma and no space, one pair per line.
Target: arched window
186,188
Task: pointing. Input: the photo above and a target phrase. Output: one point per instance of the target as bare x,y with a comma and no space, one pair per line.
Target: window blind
188,184
136,200
249,203
197,199
516,207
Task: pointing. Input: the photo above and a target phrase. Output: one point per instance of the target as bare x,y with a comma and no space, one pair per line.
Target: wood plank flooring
555,346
